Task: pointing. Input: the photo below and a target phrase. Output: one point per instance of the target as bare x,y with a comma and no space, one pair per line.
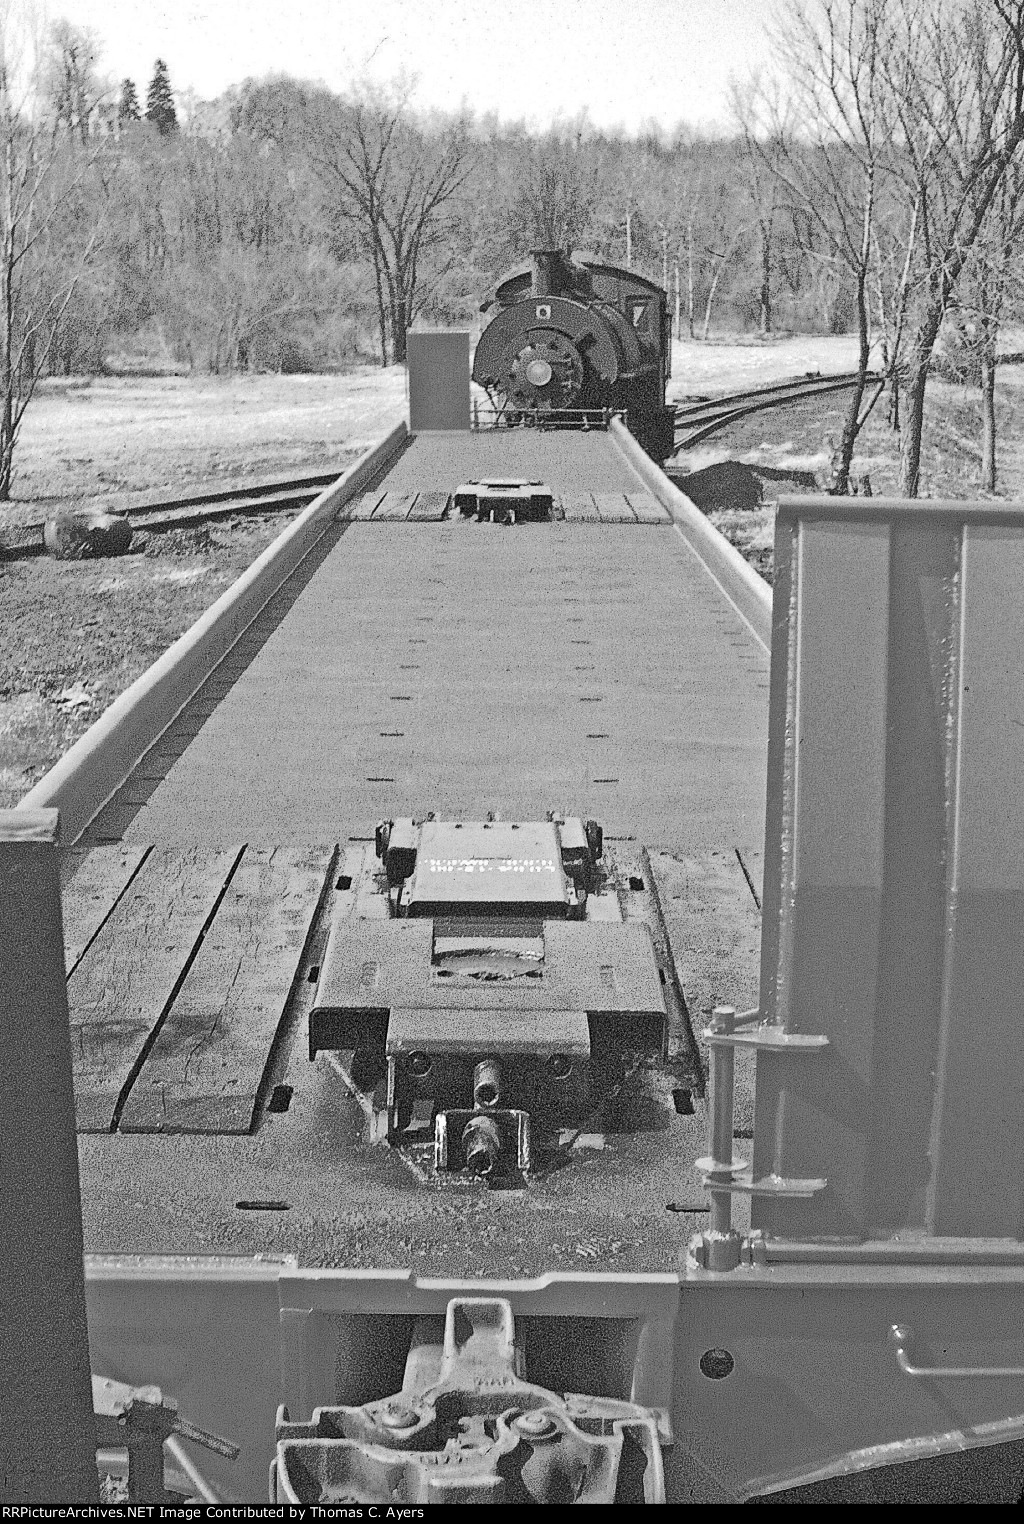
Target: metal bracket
765,1038
739,1179
719,1248
900,1336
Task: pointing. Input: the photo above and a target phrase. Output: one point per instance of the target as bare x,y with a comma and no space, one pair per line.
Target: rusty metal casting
468,1427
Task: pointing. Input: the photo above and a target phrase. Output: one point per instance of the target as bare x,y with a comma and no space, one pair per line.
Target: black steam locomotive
570,336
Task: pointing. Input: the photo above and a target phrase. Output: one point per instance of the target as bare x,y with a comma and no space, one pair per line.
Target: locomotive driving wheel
547,373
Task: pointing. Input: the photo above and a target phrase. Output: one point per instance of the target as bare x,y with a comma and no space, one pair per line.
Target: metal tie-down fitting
482,1145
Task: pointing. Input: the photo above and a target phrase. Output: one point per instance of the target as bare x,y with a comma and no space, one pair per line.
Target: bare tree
991,283
765,192
392,176
955,90
48,233
824,142
894,235
71,83
556,188
720,233
692,203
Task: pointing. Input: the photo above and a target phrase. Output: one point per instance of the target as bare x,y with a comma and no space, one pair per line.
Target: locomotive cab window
636,313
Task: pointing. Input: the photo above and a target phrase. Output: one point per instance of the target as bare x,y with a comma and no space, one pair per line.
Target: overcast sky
626,61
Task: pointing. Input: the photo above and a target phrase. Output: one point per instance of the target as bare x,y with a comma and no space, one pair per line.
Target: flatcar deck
587,665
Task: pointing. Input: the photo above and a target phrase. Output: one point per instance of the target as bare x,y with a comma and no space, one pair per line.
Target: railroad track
275,495
158,514
696,421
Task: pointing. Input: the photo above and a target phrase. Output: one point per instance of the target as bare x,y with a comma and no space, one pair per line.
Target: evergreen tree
160,101
128,106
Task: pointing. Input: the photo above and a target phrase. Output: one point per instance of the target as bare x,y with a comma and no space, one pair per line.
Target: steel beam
47,1436
894,870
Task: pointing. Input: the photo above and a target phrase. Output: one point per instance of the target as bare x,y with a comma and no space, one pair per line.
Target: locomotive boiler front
547,372
568,335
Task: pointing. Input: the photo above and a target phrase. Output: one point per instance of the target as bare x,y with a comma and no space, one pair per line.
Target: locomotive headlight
538,372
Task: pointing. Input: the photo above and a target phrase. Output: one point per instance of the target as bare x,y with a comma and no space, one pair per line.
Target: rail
276,495
697,421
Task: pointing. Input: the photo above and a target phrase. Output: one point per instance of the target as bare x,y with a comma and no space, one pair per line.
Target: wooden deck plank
579,505
97,881
204,1071
429,506
647,508
394,506
613,508
122,985
714,926
752,864
361,507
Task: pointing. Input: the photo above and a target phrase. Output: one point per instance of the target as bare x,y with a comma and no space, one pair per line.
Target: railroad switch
469,1427
490,992
504,500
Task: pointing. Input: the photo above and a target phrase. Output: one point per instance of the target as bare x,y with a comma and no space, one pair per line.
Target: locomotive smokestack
544,275
550,275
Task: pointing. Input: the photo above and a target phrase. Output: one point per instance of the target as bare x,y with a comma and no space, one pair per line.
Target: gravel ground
75,634
800,439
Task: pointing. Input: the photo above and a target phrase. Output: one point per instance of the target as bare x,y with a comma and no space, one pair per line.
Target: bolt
398,1418
536,1425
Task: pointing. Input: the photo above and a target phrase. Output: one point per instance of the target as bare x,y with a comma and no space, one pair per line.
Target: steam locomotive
569,337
